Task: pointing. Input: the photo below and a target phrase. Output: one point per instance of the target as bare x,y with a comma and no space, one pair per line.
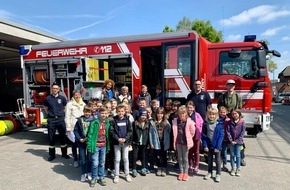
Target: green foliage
203,28
272,66
168,29
206,30
184,25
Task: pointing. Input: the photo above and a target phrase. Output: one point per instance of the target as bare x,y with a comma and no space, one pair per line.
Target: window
183,59
245,65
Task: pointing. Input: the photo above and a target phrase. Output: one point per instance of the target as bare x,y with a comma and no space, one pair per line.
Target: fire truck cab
172,60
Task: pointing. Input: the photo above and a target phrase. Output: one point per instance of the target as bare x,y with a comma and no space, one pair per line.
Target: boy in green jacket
98,144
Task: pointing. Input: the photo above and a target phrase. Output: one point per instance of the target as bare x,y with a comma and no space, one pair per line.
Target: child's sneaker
238,172
190,169
218,178
232,172
83,178
180,176
207,176
93,182
163,172
112,174
143,172
89,176
147,171
128,178
102,182
225,168
159,171
195,169
116,179
134,173
185,177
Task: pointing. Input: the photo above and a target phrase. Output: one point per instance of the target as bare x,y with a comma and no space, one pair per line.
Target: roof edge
32,30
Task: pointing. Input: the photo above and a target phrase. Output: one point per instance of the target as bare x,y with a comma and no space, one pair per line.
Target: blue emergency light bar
250,38
24,49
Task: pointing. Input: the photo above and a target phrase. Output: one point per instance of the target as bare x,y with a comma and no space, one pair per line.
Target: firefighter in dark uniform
54,106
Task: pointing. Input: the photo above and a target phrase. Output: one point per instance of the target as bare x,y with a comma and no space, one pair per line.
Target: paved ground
24,166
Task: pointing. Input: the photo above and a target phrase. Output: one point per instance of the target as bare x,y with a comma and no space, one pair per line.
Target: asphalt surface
24,165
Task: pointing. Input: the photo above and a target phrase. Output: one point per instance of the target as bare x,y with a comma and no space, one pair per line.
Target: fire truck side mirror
257,86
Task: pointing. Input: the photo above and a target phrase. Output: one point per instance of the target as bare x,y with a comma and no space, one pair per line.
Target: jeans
224,152
182,152
85,160
235,153
125,153
217,156
98,162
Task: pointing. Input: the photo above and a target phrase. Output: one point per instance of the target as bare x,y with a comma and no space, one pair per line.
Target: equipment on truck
171,60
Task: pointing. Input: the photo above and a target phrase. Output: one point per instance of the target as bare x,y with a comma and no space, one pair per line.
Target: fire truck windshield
245,65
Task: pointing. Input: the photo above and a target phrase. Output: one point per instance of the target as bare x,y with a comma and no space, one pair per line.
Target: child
183,132
108,91
128,113
98,144
114,104
121,131
174,114
108,105
125,94
159,94
155,104
151,151
193,154
140,139
223,119
80,131
168,107
159,137
236,130
212,137
141,104
144,94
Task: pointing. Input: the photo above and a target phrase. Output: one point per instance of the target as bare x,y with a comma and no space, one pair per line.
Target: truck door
179,68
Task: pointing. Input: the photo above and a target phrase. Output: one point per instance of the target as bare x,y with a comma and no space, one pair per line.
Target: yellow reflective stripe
63,146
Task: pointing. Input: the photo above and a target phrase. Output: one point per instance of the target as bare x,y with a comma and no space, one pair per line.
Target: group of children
110,130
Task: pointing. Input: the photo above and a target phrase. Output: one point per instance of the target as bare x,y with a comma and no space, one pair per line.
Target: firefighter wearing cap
54,106
230,99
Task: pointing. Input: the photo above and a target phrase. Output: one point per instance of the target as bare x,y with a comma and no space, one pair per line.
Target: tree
206,30
272,66
203,28
184,25
168,29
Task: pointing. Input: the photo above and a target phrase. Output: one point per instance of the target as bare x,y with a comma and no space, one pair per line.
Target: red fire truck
171,60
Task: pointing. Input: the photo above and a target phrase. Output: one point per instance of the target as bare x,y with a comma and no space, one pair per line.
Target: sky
76,19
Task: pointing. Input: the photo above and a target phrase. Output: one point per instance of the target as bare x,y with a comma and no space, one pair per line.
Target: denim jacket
154,139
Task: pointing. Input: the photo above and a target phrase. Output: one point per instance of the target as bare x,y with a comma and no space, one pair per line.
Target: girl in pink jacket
183,133
193,153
